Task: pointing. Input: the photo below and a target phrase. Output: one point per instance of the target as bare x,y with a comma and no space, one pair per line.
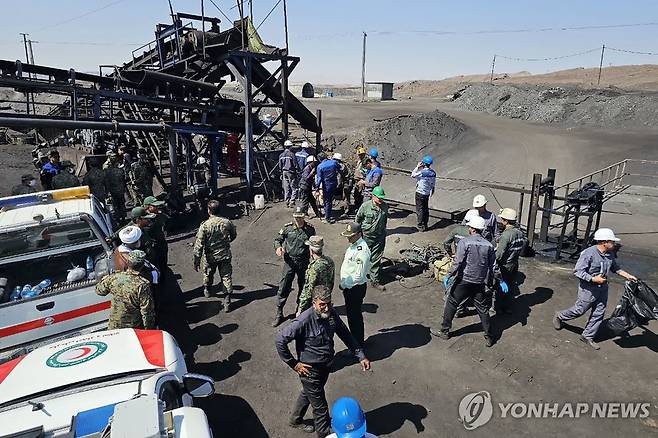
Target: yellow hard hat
360,150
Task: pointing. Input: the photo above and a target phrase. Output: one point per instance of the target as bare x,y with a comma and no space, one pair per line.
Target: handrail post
548,206
534,208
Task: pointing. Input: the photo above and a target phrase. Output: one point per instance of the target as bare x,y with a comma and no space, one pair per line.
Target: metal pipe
20,122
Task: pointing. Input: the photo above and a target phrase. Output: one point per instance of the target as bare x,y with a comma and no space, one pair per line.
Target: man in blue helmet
348,420
425,182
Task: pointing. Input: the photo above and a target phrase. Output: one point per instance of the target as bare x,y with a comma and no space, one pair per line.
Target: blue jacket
425,180
327,173
51,168
301,157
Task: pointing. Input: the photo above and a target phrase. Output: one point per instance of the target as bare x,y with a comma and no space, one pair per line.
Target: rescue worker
302,154
306,186
213,248
457,233
354,278
50,169
288,166
373,154
115,181
141,177
373,216
593,269
290,244
472,274
358,175
155,229
425,183
233,154
373,179
508,250
95,180
65,178
345,182
27,185
348,420
313,332
320,272
491,231
132,300
42,160
327,177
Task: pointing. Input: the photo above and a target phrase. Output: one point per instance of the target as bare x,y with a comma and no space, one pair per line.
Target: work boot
557,322
488,341
227,303
461,312
440,334
278,319
590,342
378,285
308,428
206,292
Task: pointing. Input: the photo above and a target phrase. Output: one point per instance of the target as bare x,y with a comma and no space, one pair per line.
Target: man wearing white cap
130,237
306,186
472,273
288,166
593,267
491,231
302,154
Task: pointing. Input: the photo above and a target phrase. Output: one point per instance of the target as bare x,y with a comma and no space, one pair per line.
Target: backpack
442,268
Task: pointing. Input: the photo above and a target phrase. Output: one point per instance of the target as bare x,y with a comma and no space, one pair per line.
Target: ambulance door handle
45,306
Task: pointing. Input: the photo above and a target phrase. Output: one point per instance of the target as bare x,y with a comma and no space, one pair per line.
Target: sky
412,39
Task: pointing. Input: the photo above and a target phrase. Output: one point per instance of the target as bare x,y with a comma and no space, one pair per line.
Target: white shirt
356,265
367,435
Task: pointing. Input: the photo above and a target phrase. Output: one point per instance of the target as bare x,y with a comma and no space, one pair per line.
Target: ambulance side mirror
198,385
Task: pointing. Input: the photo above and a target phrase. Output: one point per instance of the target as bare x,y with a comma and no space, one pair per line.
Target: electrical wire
631,51
550,58
222,12
268,14
77,17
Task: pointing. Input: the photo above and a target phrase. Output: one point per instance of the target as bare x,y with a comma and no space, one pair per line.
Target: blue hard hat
348,419
427,159
373,153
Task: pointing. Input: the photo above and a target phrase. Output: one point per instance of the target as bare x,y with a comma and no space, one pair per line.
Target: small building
379,90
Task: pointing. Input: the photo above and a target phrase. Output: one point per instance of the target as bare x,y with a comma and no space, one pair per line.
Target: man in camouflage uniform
320,272
141,178
373,216
95,179
290,244
132,300
115,181
140,218
26,186
155,229
359,175
65,179
213,248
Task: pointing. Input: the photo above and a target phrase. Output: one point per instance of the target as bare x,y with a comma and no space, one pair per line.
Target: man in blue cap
348,420
425,182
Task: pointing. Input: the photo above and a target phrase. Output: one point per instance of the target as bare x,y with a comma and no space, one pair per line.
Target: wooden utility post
601,65
493,66
285,25
318,135
363,69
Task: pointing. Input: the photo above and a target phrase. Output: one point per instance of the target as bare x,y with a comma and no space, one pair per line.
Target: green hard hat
379,192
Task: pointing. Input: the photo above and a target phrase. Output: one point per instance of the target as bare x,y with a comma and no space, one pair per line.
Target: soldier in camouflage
115,181
132,300
155,229
373,217
141,178
290,244
320,272
95,179
65,179
27,185
212,251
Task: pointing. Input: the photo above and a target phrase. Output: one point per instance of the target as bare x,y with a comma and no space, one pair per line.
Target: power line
632,51
268,15
549,58
222,12
82,15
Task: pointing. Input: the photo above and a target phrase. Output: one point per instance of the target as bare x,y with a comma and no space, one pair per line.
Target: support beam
20,122
534,208
548,207
248,126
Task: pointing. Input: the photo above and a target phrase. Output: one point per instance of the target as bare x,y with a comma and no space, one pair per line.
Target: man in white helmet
491,231
306,186
472,275
592,269
288,167
302,154
511,243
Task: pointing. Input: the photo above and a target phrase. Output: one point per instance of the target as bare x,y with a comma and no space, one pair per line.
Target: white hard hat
477,222
310,159
130,234
200,160
337,156
470,214
479,201
287,143
508,214
305,145
605,234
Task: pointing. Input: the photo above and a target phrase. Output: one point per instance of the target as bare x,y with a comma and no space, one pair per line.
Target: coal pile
404,139
607,108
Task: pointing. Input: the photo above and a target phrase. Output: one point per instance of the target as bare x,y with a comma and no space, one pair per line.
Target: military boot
278,319
206,292
227,303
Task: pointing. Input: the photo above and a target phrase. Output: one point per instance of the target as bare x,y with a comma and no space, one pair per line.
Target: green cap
152,200
140,212
379,192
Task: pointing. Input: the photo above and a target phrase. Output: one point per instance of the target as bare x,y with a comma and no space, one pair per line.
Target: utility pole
285,25
493,65
203,29
241,10
363,69
27,56
27,60
29,49
601,65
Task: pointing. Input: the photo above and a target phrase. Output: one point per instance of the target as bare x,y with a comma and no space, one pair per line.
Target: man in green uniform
360,170
213,248
290,244
132,300
509,249
457,233
141,219
141,178
65,178
115,180
156,231
95,179
27,185
373,216
320,272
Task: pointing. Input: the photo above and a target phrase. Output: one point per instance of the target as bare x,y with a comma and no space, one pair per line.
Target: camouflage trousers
225,272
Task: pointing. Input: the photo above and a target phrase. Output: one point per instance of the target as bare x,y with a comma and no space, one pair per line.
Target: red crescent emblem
85,351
